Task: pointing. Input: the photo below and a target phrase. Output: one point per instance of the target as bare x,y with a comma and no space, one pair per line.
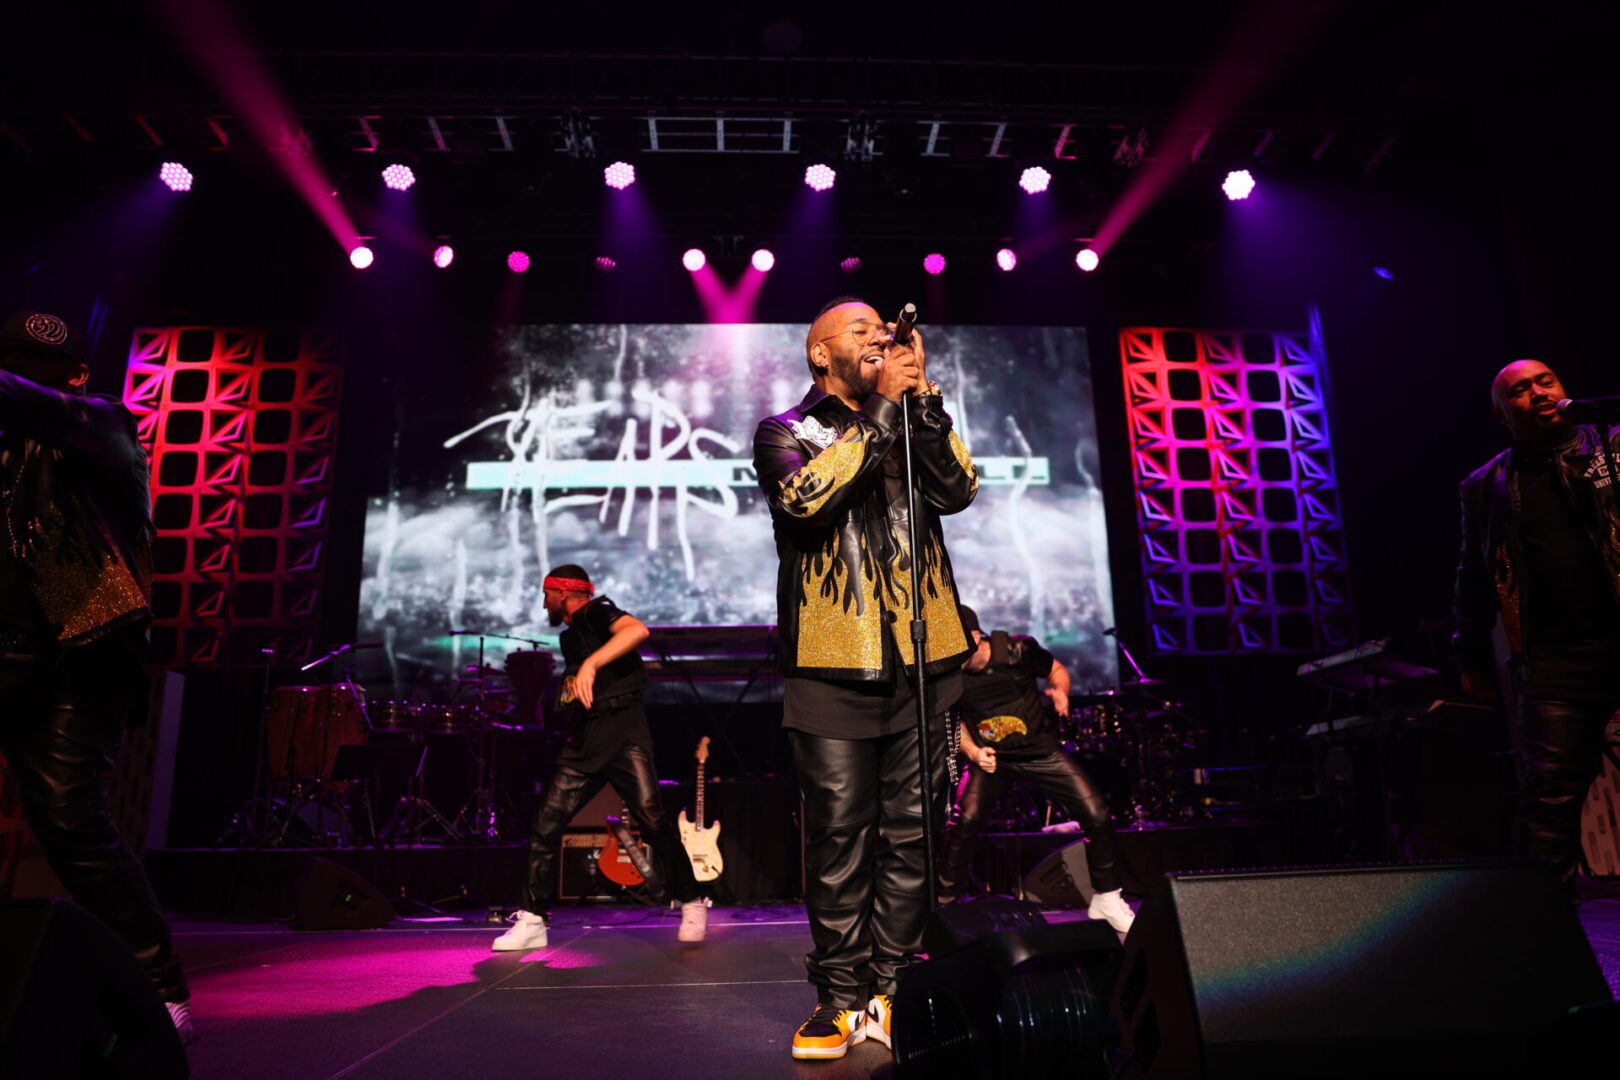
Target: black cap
48,333
970,621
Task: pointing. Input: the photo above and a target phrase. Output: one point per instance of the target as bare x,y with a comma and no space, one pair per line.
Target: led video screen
627,449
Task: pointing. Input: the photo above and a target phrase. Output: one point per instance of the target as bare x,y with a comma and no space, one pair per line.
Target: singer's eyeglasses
863,332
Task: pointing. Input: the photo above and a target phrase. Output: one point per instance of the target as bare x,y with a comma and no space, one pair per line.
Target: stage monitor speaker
1431,969
74,1002
332,897
1031,1002
1062,879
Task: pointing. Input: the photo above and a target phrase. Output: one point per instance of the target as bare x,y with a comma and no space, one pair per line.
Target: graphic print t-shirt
1003,706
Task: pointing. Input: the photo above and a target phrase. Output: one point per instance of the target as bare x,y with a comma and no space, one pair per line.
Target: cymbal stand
479,818
253,822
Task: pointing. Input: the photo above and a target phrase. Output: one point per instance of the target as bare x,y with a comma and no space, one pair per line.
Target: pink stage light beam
208,32
1035,180
694,259
763,260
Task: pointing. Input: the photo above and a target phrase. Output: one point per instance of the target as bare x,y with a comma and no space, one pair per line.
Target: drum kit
1134,742
329,757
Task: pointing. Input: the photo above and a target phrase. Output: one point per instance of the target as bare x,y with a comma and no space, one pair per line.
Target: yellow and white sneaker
878,1016
829,1033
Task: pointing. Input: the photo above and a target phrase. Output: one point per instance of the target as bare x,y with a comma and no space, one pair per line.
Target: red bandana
568,584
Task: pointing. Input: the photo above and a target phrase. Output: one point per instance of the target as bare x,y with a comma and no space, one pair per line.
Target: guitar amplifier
577,875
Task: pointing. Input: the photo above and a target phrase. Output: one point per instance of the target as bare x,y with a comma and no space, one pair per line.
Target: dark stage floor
614,995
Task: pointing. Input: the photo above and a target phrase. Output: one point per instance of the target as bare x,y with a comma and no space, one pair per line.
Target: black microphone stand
919,655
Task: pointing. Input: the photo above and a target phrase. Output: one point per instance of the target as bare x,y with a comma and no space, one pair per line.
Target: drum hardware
413,815
480,819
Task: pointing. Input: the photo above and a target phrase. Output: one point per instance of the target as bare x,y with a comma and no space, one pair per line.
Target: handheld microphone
1599,410
904,323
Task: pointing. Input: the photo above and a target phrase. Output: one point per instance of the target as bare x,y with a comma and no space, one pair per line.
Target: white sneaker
1112,906
180,1013
528,932
694,920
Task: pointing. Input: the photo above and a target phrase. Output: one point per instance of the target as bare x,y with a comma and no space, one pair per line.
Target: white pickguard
702,847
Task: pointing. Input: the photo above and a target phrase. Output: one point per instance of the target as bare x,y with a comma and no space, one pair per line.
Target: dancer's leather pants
1561,745
1057,777
60,726
863,858
630,771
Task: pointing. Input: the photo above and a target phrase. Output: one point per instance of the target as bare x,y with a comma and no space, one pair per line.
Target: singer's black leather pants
1561,746
632,775
1057,777
60,726
863,858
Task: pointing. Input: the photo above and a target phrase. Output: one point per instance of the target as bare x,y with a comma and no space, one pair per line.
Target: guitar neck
700,787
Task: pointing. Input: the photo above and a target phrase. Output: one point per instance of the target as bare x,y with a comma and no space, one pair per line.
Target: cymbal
1137,684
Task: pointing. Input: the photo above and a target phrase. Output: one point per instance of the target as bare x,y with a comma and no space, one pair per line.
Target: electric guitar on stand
702,844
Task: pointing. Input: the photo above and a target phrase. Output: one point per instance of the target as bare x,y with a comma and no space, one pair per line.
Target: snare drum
394,716
450,719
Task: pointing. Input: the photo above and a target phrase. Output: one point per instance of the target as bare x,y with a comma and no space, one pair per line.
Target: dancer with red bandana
603,678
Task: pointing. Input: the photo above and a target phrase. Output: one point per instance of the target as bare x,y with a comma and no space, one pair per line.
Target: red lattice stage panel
1236,491
241,427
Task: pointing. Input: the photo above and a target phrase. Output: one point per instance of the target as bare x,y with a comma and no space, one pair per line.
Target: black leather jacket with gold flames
839,514
1490,581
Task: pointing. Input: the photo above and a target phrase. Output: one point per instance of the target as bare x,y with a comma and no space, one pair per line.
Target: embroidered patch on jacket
814,432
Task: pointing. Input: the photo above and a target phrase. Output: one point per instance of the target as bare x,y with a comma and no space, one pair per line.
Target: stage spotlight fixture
694,260
399,177
1087,260
175,175
361,257
820,177
517,262
606,264
1384,272
763,260
1007,258
851,265
1035,180
443,256
1238,184
934,263
619,175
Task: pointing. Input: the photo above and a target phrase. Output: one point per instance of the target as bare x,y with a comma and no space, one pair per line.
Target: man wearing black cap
1006,732
75,564
609,743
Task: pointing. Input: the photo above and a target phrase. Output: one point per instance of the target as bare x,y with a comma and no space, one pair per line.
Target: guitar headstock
702,754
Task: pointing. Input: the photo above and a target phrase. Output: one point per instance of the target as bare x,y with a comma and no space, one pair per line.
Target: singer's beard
860,377
554,616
